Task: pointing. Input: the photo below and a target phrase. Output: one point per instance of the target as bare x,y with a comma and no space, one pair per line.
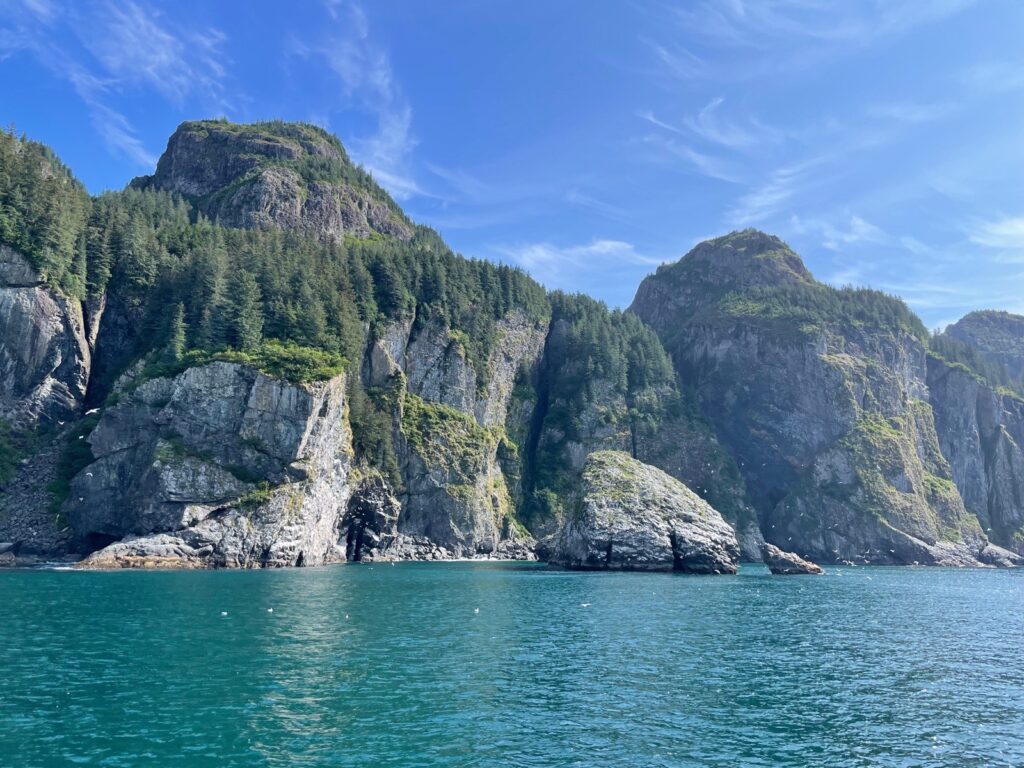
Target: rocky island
253,358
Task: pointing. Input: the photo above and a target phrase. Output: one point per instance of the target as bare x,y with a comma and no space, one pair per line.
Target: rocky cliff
44,354
219,465
981,434
997,337
822,397
274,174
311,378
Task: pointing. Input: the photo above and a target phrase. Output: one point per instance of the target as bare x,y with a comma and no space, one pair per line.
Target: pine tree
177,338
245,312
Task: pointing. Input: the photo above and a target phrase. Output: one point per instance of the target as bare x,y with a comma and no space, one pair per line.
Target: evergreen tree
244,311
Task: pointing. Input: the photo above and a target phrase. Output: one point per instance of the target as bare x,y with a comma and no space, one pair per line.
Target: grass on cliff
445,436
808,308
280,360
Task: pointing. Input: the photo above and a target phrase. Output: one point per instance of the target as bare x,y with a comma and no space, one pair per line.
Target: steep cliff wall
44,355
981,433
219,465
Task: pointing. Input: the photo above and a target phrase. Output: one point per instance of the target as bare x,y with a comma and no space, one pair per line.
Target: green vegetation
75,456
969,359
370,414
605,367
257,497
809,308
42,212
445,436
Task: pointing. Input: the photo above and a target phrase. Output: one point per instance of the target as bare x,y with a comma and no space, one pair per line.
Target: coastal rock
44,355
371,519
786,563
455,493
632,516
245,469
981,433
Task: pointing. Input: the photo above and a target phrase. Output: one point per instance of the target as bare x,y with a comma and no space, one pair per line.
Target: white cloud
760,24
560,266
773,196
909,112
136,49
363,70
851,231
711,126
705,164
1006,233
125,46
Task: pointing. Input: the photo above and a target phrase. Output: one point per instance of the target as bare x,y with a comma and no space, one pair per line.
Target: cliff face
826,410
456,458
219,465
981,431
998,337
282,175
44,355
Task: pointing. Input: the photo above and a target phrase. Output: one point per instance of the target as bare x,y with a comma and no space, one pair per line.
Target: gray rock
981,433
830,422
1000,558
244,176
6,546
632,516
179,459
786,563
44,356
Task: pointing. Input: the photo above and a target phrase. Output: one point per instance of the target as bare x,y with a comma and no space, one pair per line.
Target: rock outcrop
826,410
221,464
44,355
997,337
285,175
981,434
787,563
632,516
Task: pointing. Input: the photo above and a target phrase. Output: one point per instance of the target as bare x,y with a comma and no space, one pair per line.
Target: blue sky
590,140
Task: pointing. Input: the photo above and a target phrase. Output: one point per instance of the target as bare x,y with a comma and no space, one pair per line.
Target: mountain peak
750,256
275,174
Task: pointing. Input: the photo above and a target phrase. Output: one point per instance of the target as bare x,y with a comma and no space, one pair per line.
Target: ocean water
486,664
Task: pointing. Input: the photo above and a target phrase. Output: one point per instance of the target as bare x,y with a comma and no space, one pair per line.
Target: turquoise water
392,666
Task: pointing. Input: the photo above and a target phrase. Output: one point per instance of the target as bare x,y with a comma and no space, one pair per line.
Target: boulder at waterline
632,516
787,563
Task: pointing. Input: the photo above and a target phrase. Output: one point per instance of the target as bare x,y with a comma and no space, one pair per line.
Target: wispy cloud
561,266
834,236
910,112
711,126
120,46
1006,233
366,79
760,24
675,61
703,163
138,48
773,196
